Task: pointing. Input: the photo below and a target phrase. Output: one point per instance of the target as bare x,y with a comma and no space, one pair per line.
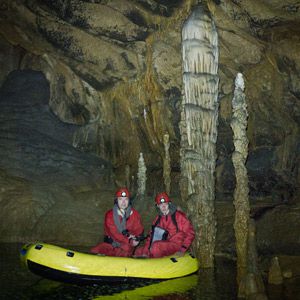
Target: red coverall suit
177,240
133,226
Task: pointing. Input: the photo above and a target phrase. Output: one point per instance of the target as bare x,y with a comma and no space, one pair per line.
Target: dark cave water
16,282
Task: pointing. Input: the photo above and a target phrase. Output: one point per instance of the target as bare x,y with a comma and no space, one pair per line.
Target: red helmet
122,192
162,198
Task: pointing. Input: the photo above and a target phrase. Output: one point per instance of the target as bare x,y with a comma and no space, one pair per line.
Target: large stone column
198,128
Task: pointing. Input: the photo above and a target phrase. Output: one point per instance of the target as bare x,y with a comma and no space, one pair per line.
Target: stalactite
198,127
141,177
241,201
83,134
167,164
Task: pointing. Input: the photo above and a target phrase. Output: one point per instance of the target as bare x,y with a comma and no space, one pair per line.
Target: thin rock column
167,164
239,156
141,177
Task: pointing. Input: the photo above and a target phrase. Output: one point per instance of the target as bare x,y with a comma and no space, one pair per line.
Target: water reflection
168,287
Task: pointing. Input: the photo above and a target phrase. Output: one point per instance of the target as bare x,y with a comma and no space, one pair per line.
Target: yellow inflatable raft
71,266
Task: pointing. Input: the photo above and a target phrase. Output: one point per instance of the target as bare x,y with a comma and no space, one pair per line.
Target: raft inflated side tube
66,265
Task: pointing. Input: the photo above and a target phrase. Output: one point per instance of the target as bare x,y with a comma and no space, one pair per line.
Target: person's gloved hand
134,243
133,240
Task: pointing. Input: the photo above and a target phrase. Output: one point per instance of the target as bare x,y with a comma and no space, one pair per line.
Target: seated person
171,231
122,228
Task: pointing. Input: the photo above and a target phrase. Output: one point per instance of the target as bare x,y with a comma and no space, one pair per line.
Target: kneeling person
171,231
122,228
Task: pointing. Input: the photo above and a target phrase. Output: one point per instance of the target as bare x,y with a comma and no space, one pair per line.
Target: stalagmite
167,164
198,127
275,273
239,156
248,275
141,177
251,285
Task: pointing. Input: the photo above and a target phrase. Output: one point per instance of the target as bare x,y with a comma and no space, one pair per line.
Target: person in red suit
122,228
172,232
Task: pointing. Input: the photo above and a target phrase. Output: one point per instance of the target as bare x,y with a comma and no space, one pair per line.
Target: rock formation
141,178
199,127
167,164
239,157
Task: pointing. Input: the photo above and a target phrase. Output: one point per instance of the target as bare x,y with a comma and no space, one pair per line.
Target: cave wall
114,71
